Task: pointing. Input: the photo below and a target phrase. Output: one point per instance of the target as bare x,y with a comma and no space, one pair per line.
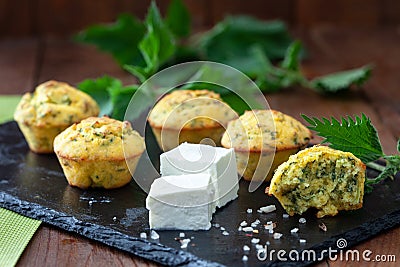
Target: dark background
27,18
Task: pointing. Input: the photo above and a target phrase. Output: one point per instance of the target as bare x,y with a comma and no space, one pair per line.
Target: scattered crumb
255,231
323,227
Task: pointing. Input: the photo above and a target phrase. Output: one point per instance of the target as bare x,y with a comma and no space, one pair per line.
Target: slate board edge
139,247
169,256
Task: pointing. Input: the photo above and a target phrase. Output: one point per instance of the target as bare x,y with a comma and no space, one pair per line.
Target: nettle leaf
357,136
97,89
120,39
120,97
343,80
112,97
156,47
178,18
230,40
398,145
291,61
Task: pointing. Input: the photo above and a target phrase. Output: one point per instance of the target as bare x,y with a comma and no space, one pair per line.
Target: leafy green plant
112,97
359,137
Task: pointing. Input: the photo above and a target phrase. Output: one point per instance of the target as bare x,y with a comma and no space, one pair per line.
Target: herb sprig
248,44
359,137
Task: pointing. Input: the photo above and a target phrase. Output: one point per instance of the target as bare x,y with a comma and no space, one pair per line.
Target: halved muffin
262,140
189,116
99,152
49,110
319,177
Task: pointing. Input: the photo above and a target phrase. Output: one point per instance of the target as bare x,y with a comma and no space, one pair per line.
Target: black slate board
34,185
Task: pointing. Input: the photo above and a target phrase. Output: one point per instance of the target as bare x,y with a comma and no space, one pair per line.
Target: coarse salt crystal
259,211
267,243
245,258
244,223
246,248
268,209
302,241
222,228
271,231
255,240
277,235
248,229
216,225
254,225
302,220
285,216
294,230
259,246
143,235
185,242
154,235
240,228
249,211
114,218
225,233
181,235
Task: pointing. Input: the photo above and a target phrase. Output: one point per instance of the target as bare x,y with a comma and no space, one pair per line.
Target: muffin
319,177
262,140
99,152
190,116
49,110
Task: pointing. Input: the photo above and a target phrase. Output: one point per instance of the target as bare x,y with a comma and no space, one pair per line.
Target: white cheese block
219,162
182,202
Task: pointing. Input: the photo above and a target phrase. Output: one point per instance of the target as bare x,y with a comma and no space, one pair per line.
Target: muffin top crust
99,139
265,130
191,109
55,103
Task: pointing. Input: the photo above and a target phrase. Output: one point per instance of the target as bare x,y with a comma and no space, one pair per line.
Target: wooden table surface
28,62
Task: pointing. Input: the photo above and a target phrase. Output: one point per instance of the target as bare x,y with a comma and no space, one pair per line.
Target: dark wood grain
23,64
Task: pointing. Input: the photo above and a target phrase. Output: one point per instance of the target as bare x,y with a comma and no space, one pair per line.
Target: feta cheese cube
181,202
219,162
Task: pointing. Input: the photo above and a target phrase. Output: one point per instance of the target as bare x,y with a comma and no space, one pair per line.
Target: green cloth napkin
15,233
15,230
8,103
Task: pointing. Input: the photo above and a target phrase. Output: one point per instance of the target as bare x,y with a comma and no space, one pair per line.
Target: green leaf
97,89
390,170
120,98
343,80
112,97
291,61
398,145
230,41
156,47
357,136
120,39
159,31
178,18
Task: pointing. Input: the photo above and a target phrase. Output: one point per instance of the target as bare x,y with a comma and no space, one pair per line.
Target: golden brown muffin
99,152
189,116
319,177
49,110
262,140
